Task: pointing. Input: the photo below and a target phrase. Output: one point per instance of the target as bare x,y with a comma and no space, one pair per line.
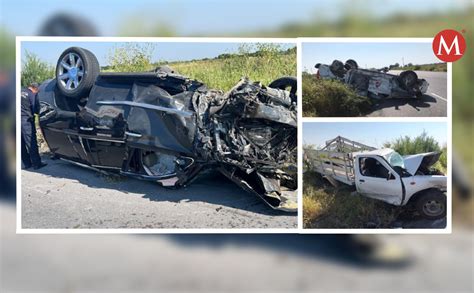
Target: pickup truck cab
385,175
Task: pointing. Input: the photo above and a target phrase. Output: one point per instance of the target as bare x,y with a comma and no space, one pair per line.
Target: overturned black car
164,127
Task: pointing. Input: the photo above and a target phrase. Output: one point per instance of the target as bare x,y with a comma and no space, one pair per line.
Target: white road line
438,96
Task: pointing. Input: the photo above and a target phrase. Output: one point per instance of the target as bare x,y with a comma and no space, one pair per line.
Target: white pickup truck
383,174
375,84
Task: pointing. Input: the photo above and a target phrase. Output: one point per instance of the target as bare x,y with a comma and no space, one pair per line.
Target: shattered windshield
395,160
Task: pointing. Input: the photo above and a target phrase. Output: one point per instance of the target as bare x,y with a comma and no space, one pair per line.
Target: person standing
29,145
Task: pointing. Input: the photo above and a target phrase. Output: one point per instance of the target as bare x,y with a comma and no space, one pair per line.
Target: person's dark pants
29,145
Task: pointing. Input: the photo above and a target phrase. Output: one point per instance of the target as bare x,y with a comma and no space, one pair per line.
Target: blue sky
50,51
367,55
371,133
24,17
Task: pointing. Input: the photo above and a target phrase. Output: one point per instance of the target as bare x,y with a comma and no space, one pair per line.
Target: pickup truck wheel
76,71
337,68
408,79
351,64
432,205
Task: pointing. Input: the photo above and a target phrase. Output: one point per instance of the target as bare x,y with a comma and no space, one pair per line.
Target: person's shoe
41,165
25,167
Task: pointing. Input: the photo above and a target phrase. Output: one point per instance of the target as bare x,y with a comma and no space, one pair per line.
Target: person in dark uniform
29,145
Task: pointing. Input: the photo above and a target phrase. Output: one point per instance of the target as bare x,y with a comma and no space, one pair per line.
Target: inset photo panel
373,78
376,176
157,135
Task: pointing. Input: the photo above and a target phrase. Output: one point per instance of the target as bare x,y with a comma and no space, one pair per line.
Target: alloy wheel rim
71,71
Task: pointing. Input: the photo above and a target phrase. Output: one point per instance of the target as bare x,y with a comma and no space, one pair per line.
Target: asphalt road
432,104
223,263
62,195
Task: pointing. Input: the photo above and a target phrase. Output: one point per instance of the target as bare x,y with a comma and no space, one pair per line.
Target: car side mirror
390,176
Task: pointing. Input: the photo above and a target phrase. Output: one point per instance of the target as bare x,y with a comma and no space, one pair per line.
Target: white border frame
298,42
447,120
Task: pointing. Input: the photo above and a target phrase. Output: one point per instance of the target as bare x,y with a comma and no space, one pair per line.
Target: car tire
337,68
285,82
432,205
351,64
408,79
76,72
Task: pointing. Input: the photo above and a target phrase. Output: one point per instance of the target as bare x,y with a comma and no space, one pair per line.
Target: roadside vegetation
130,57
35,70
326,206
331,98
440,67
259,62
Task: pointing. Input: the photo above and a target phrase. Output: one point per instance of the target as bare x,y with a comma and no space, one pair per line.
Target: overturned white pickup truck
383,174
374,83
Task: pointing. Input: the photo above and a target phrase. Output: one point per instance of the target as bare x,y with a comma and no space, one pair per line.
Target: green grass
259,62
331,98
224,73
439,67
325,206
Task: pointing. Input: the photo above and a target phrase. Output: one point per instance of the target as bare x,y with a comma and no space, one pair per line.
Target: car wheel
337,68
432,205
76,72
408,79
351,64
285,83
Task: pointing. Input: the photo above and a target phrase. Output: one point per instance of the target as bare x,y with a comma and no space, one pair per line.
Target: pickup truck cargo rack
335,161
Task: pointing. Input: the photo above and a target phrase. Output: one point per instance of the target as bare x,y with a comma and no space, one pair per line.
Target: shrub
131,57
331,98
406,145
35,70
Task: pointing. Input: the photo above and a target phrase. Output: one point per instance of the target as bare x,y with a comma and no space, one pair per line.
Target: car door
376,179
102,140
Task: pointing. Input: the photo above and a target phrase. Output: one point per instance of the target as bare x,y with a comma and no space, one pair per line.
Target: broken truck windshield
395,160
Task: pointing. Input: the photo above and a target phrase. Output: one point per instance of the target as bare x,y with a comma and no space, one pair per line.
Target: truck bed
335,161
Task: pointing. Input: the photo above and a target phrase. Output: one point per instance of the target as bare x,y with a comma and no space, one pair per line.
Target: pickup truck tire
351,64
337,68
432,205
408,79
76,72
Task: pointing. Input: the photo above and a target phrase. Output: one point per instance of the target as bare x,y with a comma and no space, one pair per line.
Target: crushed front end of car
251,134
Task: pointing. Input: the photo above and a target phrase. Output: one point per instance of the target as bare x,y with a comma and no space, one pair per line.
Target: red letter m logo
443,45
449,45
